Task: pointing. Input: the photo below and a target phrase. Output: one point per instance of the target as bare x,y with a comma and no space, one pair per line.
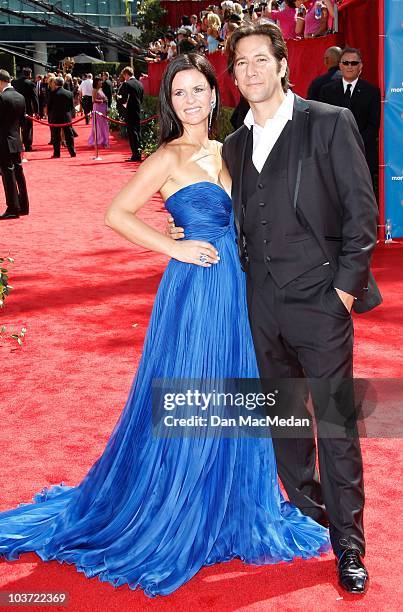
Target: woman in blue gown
153,510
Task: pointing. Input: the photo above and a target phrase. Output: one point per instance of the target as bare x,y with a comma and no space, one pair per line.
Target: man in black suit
306,219
362,98
60,110
107,87
12,111
131,95
27,88
331,59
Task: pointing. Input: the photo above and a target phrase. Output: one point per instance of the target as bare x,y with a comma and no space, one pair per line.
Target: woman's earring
210,117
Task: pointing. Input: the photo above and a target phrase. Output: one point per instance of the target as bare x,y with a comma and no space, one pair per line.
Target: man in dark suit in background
60,110
131,95
27,88
362,98
107,87
12,111
331,59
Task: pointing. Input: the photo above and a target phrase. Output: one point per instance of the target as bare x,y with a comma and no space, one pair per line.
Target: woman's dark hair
170,125
95,82
290,3
268,30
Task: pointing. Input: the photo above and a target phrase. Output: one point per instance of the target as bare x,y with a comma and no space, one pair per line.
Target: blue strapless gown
151,512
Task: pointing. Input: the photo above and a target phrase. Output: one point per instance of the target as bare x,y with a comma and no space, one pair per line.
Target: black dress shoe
353,575
73,154
8,215
55,157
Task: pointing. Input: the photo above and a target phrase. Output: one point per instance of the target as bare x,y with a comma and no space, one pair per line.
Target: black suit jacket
108,91
330,188
60,105
27,88
316,85
12,111
365,104
132,93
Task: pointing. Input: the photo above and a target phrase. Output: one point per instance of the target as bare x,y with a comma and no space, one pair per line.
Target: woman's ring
203,258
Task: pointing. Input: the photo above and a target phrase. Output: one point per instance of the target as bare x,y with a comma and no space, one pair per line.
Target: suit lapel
238,178
298,132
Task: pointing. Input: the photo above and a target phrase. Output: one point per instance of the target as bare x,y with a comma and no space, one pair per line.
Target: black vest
277,241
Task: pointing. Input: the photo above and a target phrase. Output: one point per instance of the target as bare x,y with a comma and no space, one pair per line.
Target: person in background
43,98
316,18
76,94
186,44
170,45
186,23
291,26
26,87
213,32
41,94
107,88
12,111
195,25
331,60
131,95
99,122
60,108
364,101
85,90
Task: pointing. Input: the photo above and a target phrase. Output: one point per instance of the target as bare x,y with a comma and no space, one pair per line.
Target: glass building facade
104,13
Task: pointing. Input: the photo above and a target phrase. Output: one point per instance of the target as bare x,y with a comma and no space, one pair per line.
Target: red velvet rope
142,122
55,124
83,117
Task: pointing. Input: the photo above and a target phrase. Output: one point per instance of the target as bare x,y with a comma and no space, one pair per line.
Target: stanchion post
381,170
94,115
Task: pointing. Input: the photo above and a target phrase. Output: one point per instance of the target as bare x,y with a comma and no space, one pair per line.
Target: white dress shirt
85,87
264,138
353,84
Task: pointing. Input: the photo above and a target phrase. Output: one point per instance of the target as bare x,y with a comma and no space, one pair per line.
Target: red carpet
85,295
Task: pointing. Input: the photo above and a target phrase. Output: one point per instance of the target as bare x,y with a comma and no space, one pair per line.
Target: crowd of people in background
86,94
209,31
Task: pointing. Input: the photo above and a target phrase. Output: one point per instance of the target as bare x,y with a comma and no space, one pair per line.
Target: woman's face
192,97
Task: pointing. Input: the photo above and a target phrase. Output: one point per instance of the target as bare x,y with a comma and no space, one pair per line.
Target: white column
40,54
111,54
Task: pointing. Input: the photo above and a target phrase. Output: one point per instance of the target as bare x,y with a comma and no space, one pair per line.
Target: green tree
150,15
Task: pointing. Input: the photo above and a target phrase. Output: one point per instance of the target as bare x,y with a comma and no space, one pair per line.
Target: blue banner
394,115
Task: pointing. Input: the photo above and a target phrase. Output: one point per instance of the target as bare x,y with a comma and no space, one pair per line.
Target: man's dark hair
5,76
268,30
128,70
170,125
351,50
291,3
27,72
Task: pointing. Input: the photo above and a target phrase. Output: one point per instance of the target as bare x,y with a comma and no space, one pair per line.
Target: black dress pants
133,132
27,133
15,187
304,330
87,104
56,139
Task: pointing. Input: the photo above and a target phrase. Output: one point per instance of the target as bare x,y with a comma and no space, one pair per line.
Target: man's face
257,72
349,72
